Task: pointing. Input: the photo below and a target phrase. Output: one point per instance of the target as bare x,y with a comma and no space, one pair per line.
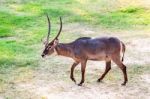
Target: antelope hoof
80,84
73,80
99,80
123,84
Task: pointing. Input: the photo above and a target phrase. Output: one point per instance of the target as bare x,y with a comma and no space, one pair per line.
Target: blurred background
25,75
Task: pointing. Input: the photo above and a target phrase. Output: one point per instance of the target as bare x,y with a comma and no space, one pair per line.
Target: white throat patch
55,52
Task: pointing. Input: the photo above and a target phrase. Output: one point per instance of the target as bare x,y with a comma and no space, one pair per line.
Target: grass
126,18
26,22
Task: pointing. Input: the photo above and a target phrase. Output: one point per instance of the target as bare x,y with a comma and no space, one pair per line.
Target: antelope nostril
42,55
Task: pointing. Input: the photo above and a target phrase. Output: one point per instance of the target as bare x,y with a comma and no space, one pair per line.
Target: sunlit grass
126,18
30,8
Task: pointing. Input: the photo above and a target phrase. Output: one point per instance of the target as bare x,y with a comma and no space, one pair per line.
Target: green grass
26,21
13,53
126,18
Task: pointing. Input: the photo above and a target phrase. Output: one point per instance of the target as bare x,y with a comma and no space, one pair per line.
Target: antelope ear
56,42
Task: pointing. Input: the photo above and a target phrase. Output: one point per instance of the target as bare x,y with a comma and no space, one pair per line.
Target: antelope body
82,49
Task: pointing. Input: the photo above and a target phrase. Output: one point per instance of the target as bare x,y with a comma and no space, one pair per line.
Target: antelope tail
123,50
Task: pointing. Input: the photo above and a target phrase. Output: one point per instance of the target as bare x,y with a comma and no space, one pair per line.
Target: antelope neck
63,49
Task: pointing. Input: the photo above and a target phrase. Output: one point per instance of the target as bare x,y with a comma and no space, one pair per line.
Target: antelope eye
48,47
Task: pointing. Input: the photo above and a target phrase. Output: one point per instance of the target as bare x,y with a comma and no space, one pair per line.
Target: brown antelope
86,48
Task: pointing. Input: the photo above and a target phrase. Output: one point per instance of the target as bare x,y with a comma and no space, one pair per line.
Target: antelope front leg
72,70
83,66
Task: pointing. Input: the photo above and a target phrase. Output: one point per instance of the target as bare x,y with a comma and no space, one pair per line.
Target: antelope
86,48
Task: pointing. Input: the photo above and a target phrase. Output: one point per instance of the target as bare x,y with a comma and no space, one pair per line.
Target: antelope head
50,46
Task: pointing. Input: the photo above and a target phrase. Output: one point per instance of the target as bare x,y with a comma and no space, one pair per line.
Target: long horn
49,28
59,29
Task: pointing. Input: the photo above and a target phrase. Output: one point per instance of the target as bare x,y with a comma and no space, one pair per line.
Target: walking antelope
86,48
